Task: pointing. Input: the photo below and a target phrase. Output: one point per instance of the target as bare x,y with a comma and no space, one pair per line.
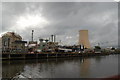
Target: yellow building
84,38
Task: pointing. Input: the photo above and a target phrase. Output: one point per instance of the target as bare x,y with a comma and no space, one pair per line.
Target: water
92,67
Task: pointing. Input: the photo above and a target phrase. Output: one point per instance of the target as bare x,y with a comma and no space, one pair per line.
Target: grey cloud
66,19
1,17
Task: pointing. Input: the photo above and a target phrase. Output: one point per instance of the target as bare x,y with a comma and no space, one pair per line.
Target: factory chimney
32,35
52,37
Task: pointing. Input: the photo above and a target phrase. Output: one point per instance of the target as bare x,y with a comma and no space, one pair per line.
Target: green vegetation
97,47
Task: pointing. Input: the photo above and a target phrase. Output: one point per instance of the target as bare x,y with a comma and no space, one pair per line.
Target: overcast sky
64,19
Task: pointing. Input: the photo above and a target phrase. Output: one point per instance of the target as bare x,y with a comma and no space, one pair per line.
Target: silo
84,38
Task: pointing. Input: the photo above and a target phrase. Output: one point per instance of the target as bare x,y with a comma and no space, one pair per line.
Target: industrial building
12,42
84,38
47,45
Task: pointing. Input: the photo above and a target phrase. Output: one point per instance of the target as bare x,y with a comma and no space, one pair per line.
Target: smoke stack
32,34
52,37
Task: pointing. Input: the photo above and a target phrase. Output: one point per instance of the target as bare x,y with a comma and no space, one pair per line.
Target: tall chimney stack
52,37
32,35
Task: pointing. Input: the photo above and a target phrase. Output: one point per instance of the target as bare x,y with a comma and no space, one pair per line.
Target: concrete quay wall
49,55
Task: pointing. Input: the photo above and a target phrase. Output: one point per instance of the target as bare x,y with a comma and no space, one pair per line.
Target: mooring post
56,55
8,56
47,55
24,55
37,55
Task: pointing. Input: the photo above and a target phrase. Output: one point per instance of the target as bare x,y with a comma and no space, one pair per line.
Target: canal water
77,67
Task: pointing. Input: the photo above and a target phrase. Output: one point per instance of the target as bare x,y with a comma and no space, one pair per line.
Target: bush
97,47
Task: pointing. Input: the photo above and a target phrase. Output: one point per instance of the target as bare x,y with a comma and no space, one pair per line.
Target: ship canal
91,67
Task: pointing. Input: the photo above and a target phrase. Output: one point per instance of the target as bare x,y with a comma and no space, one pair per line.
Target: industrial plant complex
12,43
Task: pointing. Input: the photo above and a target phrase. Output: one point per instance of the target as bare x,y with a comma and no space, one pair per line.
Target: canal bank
50,55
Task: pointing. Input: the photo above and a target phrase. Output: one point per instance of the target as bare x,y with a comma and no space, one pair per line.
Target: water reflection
85,68
12,68
62,67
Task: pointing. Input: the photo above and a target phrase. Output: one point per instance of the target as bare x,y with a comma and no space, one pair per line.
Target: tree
97,47
112,48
